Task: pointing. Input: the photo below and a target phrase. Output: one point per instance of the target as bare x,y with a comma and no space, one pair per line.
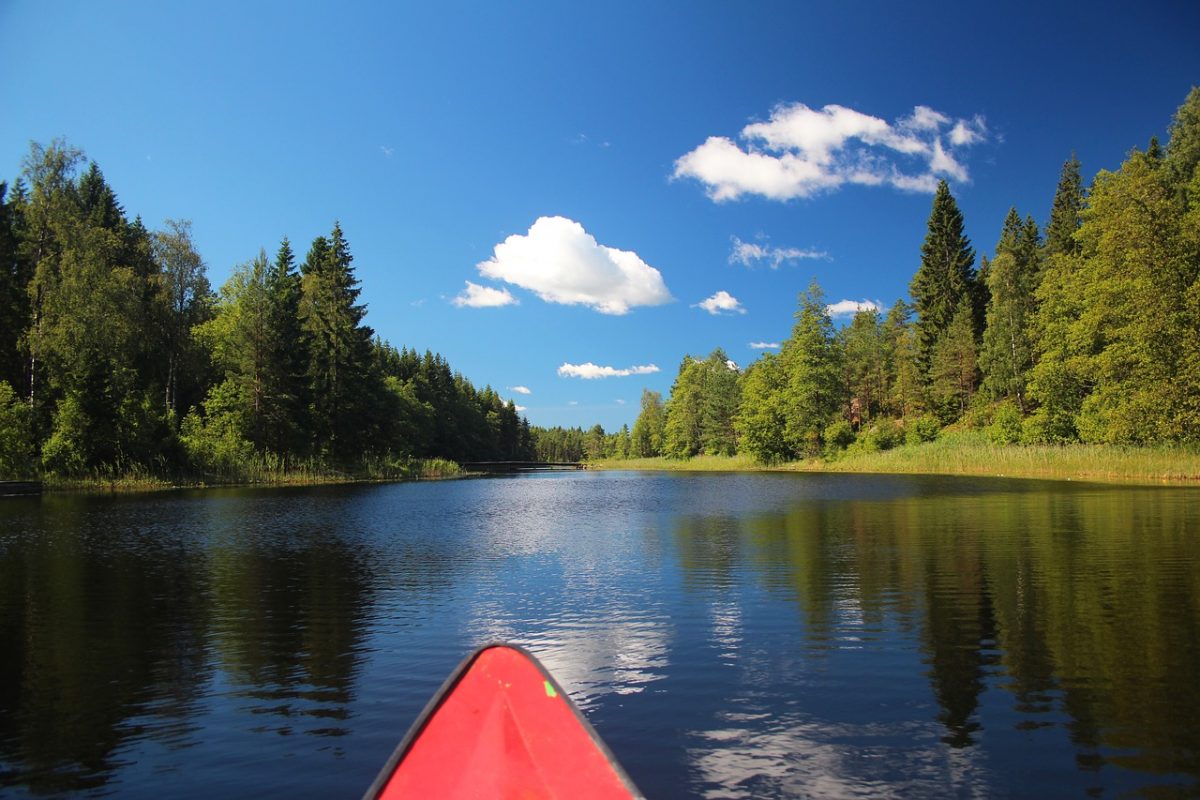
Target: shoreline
969,454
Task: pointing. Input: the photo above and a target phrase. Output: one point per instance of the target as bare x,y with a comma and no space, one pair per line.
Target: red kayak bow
502,727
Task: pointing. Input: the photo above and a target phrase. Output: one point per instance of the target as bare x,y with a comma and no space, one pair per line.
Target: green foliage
924,428
16,444
883,434
648,429
215,441
838,435
868,351
812,362
1006,427
1006,355
946,276
704,402
953,371
760,420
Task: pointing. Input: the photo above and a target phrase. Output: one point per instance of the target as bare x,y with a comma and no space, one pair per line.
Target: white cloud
562,263
387,151
765,345
521,389
721,302
620,402
846,308
590,371
572,402
749,252
802,151
519,408
476,296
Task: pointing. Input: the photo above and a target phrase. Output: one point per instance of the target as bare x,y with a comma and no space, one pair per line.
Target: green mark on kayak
550,690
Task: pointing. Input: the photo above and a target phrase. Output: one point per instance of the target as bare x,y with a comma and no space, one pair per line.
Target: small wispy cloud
848,308
750,253
521,389
620,402
765,345
519,408
721,303
476,296
387,151
590,371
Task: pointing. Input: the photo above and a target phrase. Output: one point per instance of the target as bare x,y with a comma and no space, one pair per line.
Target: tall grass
970,453
262,469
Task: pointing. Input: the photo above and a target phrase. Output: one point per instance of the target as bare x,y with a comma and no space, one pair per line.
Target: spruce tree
946,275
339,350
1006,355
648,427
287,360
1065,211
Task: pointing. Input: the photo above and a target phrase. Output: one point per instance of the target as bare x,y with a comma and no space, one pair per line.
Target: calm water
728,635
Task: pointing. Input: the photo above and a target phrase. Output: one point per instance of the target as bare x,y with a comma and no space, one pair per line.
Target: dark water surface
728,635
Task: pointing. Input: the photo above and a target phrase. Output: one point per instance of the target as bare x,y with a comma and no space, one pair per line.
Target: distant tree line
1085,330
116,356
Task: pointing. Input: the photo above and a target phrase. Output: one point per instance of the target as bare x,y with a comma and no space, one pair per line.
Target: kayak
502,727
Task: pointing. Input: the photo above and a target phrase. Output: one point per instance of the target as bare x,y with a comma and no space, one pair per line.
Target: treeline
1086,329
116,357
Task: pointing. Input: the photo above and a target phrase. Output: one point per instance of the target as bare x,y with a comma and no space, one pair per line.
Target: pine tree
812,362
866,346
946,274
953,371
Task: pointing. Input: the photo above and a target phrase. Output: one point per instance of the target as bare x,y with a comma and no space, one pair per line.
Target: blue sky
634,151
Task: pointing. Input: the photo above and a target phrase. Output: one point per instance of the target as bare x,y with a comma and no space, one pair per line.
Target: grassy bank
254,474
970,453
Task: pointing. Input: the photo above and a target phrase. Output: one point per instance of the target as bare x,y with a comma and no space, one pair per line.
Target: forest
1086,329
117,357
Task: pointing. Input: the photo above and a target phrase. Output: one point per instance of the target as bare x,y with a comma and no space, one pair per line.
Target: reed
971,453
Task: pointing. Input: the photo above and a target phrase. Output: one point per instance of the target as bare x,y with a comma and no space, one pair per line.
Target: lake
729,635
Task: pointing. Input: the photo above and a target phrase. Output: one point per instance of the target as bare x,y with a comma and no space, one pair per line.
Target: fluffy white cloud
721,302
846,308
562,263
476,296
519,408
522,389
801,151
765,345
590,371
748,253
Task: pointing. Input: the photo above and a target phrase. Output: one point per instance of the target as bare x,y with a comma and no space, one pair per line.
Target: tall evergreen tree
1006,356
946,275
339,349
1065,211
285,419
812,362
866,346
954,369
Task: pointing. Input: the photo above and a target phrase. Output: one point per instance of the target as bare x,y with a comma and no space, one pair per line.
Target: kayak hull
502,727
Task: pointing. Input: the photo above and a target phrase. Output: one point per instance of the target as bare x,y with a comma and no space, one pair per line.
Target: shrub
1006,425
838,436
923,429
